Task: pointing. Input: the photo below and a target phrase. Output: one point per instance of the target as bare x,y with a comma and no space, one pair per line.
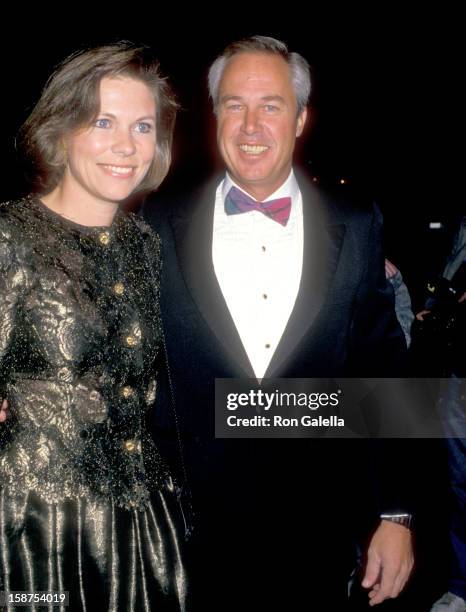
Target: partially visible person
87,503
267,276
403,309
437,348
452,409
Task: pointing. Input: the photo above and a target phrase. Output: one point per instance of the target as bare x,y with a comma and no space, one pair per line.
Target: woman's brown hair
70,101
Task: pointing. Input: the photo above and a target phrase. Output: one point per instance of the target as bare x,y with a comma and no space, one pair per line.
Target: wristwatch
406,520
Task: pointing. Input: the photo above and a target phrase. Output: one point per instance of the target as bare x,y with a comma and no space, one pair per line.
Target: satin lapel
322,246
193,238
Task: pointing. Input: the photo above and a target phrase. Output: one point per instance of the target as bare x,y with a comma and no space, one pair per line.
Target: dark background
381,108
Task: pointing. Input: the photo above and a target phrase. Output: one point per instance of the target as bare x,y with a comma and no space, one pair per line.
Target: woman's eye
102,123
143,127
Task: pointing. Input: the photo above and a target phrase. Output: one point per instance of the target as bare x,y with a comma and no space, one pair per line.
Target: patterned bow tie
238,202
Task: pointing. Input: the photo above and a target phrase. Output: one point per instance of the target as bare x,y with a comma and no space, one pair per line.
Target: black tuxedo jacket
343,324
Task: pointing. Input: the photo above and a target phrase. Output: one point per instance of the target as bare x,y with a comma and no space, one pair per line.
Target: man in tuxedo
265,276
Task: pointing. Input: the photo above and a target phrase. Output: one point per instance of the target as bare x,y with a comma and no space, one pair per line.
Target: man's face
257,122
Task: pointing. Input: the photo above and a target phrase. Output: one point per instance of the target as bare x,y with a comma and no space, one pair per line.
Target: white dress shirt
258,263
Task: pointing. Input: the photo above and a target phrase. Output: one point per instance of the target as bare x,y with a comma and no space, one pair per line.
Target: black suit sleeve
377,348
377,344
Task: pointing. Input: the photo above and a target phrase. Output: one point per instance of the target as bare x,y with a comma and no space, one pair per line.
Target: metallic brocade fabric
87,505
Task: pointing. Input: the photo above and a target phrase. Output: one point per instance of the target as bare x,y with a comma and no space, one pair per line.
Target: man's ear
301,122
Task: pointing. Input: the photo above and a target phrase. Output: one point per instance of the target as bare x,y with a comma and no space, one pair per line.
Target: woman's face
108,160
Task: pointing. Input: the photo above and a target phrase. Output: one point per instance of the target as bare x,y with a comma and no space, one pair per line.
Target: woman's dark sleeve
14,278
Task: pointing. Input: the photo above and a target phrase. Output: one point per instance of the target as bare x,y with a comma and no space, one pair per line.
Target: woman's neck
87,211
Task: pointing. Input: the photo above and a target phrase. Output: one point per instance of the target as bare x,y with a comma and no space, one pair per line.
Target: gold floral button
132,446
64,374
118,288
127,391
131,341
104,238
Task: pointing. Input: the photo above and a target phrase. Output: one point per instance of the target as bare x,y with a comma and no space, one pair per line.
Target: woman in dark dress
87,504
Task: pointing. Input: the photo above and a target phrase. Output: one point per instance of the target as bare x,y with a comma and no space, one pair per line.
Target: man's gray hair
299,67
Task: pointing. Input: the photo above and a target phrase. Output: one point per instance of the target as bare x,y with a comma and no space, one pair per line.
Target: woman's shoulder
146,231
13,216
15,246
15,229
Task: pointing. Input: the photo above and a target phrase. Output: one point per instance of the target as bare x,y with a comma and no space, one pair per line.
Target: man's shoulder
162,206
352,207
338,203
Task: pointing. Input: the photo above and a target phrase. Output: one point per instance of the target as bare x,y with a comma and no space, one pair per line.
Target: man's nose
251,121
124,143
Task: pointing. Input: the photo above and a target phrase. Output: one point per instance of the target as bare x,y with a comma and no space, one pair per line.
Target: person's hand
462,298
390,269
389,562
420,315
3,411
